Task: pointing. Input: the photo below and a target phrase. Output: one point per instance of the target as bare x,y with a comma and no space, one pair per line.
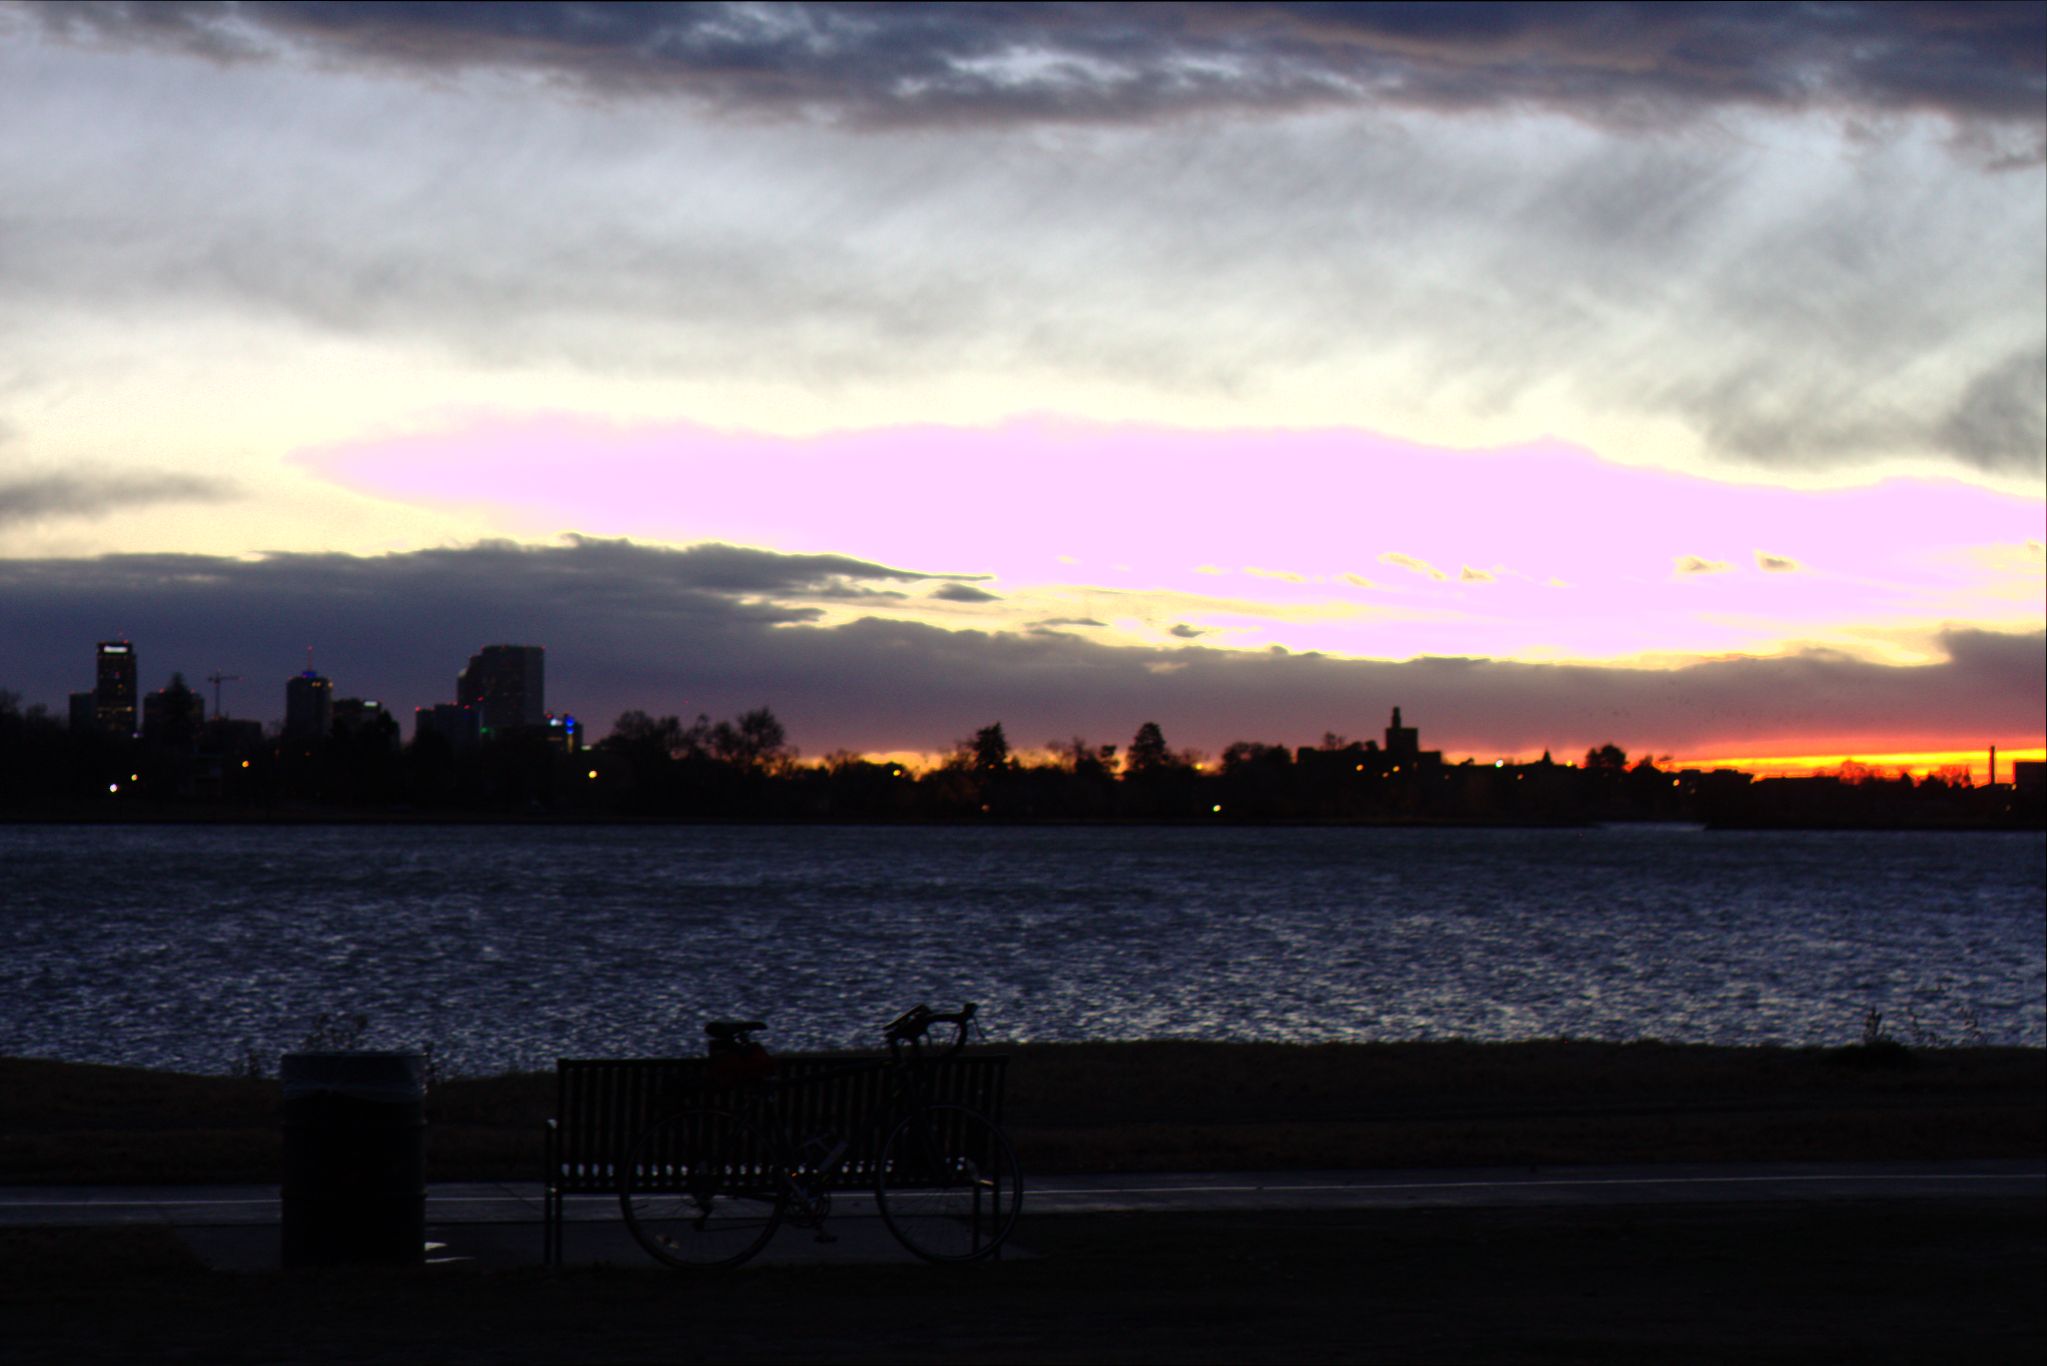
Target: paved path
498,1223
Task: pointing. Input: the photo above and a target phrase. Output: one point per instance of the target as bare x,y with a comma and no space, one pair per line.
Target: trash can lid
363,1076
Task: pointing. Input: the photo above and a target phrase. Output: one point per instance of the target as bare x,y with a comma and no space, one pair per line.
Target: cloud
723,568
37,498
1411,565
1791,293
1470,575
963,592
630,626
2000,421
1776,564
1692,564
1185,632
944,63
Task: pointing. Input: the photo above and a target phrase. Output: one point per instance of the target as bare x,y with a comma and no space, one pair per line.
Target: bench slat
602,1104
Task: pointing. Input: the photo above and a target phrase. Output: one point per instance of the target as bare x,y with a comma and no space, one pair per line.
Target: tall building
113,691
451,721
308,706
358,718
1402,742
173,716
504,685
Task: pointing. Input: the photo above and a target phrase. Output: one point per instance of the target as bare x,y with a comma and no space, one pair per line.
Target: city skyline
507,695
1673,380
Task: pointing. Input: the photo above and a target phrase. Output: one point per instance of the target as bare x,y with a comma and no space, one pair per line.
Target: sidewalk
234,1228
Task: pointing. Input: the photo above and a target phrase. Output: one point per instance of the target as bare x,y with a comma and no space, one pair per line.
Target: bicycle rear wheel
698,1189
949,1186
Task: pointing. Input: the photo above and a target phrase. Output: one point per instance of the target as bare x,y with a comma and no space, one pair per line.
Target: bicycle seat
727,1030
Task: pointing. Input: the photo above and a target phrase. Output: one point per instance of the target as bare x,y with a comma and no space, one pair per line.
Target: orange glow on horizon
1918,763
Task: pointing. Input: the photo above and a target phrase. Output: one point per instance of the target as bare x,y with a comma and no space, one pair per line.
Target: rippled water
185,946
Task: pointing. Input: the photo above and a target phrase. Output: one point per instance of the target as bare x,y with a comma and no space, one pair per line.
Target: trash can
354,1159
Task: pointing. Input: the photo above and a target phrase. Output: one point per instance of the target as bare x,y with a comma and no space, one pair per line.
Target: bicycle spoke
949,1186
696,1191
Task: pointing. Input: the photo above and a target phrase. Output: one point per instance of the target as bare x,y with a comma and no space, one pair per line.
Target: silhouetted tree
755,743
1608,757
636,733
1147,753
1083,760
990,749
1258,780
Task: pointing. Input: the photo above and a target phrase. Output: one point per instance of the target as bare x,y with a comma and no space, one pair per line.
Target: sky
1667,375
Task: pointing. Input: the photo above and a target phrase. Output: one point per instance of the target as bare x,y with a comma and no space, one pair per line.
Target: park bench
601,1104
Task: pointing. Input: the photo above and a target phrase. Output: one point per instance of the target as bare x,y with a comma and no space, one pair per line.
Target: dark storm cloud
2000,423
37,498
722,630
738,569
913,63
963,592
393,626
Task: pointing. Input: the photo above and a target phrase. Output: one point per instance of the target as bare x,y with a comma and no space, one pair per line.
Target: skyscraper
308,706
113,691
504,684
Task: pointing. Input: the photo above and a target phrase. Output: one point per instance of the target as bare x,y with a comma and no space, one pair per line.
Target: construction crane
216,678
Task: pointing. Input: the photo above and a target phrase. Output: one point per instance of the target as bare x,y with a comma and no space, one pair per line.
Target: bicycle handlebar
913,1025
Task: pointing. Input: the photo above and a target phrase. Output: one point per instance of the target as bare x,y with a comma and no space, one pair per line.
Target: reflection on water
182,946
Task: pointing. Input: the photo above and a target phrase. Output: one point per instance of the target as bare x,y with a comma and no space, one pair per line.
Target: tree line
744,768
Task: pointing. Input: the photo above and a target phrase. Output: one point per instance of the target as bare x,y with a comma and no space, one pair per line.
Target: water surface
181,946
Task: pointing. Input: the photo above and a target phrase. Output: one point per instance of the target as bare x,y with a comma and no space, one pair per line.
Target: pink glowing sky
1313,539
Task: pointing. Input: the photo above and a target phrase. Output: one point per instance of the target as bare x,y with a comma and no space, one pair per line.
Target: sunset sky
1673,376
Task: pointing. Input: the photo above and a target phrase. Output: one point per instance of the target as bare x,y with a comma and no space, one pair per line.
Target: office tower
174,715
358,719
451,721
113,692
308,706
503,684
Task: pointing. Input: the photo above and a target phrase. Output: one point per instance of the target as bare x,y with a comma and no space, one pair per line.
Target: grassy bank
1179,1106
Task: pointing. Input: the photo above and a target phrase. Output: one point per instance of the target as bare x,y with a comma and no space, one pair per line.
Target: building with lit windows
308,706
505,686
114,693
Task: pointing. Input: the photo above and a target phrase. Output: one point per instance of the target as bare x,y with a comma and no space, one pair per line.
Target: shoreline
251,818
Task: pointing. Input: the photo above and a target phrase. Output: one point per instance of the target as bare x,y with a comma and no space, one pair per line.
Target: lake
505,947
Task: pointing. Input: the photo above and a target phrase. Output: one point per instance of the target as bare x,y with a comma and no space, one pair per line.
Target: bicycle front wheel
698,1189
949,1186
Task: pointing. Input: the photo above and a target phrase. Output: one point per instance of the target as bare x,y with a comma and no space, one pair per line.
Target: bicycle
708,1185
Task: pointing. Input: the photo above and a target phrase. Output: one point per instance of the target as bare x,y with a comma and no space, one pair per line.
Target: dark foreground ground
1904,1281
1914,1280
